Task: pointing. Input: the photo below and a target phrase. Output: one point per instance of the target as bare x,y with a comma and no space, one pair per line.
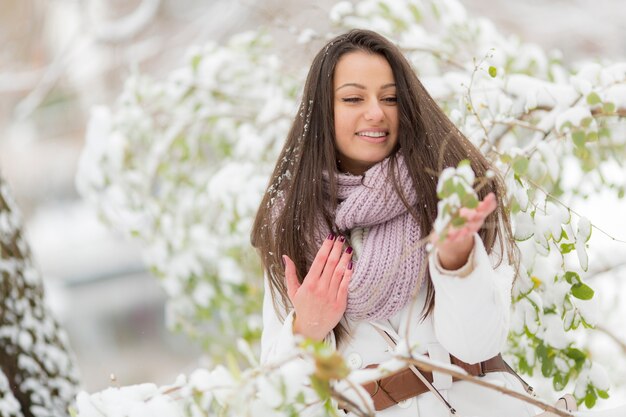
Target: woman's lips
373,136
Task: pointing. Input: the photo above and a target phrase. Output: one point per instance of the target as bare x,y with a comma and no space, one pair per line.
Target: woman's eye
351,99
391,99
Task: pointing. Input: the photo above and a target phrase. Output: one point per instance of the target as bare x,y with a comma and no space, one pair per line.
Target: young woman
341,234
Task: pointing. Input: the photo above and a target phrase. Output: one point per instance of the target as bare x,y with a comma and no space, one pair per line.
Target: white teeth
373,134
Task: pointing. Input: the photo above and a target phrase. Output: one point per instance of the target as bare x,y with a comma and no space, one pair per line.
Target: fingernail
349,250
350,265
342,239
330,237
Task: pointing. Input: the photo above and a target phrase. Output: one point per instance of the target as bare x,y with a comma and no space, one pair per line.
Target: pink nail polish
349,250
342,239
330,237
350,265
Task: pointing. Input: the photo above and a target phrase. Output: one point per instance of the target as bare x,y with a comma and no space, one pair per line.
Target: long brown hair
286,221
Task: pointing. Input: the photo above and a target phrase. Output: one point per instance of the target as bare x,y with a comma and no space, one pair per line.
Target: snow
544,93
616,94
230,161
9,406
574,116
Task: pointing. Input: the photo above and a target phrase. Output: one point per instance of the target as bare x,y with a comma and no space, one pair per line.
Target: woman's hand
454,251
321,299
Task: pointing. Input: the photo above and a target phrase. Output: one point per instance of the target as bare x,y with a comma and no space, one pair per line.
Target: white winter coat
470,321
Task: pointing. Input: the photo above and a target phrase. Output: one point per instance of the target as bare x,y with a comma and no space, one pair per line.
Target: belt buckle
481,371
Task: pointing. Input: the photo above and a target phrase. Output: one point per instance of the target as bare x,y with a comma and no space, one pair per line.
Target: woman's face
365,109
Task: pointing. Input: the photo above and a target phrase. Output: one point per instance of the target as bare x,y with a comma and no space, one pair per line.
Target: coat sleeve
472,312
277,338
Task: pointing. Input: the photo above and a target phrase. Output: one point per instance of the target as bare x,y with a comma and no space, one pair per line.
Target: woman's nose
374,111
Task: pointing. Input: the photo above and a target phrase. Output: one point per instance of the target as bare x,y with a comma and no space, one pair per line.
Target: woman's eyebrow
362,87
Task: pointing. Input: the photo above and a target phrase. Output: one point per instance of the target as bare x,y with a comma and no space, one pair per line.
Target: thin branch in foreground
613,337
428,366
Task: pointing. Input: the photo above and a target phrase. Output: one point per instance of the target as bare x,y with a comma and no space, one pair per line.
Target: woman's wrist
297,329
454,257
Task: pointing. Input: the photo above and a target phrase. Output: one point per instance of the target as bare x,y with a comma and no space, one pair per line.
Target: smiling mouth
373,134
374,137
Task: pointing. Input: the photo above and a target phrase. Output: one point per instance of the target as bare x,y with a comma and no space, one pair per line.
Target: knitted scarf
387,270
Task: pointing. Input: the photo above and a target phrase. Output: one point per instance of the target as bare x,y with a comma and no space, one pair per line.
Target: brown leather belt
403,385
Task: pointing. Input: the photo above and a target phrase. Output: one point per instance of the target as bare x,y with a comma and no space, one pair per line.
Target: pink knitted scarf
388,267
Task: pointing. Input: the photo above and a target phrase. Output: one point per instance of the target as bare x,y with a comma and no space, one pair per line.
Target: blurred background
59,58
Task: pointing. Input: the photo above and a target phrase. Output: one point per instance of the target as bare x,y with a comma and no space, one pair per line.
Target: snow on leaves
181,164
38,376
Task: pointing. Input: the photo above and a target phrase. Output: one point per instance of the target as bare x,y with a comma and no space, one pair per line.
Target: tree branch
611,335
129,26
429,366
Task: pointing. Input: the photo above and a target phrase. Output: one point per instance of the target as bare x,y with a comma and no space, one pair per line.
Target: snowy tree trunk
38,375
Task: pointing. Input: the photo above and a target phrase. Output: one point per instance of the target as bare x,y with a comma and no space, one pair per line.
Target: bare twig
604,270
516,122
471,103
50,77
437,54
611,335
127,27
537,186
351,405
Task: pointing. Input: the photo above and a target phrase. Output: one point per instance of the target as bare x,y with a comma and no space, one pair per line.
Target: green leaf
559,381
542,352
417,15
514,207
604,132
520,165
567,247
572,277
582,291
195,62
579,138
448,187
576,354
592,136
547,367
321,387
608,108
593,98
384,7
435,10
459,189
603,394
233,365
524,367
469,201
493,71
590,400
458,221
